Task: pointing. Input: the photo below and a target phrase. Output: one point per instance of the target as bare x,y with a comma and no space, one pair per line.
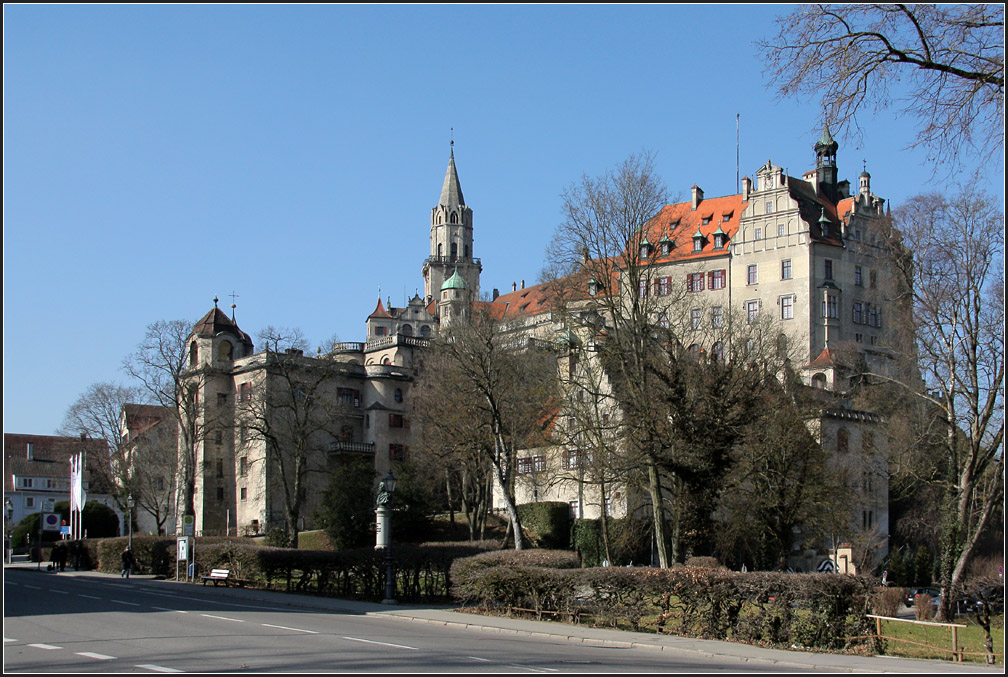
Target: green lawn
939,639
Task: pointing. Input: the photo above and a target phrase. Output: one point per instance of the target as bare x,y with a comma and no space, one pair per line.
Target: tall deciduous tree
294,410
945,63
951,264
97,414
498,385
160,365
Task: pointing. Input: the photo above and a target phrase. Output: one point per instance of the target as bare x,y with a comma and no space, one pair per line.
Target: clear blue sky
158,156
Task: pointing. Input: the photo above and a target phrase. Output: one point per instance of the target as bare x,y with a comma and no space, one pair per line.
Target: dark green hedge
548,522
629,541
421,571
823,611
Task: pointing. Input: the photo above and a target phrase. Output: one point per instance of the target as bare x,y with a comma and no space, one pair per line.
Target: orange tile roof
681,222
380,311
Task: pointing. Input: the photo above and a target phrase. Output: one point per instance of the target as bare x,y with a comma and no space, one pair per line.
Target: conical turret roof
451,192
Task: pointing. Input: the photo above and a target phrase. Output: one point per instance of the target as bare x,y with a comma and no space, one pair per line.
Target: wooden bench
222,576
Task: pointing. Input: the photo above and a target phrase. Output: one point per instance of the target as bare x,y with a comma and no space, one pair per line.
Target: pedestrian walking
75,551
128,562
61,558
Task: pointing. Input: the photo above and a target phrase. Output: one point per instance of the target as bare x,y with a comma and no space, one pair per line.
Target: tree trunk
658,513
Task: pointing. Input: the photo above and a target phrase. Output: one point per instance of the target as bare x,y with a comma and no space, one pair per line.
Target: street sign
48,505
50,522
183,549
189,525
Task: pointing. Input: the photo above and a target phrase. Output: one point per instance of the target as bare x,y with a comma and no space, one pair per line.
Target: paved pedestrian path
447,615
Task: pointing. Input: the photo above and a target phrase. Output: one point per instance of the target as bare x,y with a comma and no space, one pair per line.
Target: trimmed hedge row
421,572
823,611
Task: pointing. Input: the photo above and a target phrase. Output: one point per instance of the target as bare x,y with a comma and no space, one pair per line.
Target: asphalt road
83,623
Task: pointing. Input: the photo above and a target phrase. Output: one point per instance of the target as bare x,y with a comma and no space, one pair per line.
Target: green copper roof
454,282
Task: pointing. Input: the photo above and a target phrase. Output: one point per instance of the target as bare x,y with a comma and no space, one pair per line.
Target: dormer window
707,220
666,247
645,249
698,241
726,217
719,241
593,287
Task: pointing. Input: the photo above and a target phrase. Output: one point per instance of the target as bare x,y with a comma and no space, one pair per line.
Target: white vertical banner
73,496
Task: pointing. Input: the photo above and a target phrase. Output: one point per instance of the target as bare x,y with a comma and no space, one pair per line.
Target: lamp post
383,532
129,504
8,531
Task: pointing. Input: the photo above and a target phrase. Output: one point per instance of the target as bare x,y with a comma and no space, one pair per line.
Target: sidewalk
447,615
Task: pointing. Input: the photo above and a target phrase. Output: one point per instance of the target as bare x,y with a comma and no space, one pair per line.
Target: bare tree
948,59
498,385
160,365
950,260
294,411
148,459
96,414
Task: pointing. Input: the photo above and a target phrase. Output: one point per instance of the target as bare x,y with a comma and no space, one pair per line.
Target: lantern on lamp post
383,532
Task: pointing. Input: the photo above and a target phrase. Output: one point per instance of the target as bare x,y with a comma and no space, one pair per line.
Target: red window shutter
689,282
710,279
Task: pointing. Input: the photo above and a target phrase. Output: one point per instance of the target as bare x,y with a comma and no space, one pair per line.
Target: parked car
992,595
911,594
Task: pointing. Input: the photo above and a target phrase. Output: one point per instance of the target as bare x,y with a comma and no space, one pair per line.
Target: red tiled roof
380,312
681,222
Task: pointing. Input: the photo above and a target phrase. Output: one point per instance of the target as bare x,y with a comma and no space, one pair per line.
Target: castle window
717,352
440,251
454,251
828,269
398,395
695,282
751,274
425,331
220,467
406,330
244,493
642,289
787,307
752,311
769,207
782,346
781,230
819,381
759,234
716,279
858,282
220,493
857,314
719,241
226,350
221,399
193,354
398,452
243,466
717,316
219,437
829,306
706,220
695,317
454,217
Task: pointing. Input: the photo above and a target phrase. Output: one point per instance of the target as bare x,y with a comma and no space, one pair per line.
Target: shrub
924,610
705,563
887,601
628,541
549,523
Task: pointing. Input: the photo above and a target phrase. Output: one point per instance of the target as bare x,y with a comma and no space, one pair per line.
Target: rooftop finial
233,306
451,138
214,301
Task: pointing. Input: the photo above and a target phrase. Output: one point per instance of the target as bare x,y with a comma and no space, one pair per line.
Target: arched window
425,331
694,351
819,381
407,330
717,352
842,441
440,251
454,217
386,361
226,350
193,354
454,251
398,394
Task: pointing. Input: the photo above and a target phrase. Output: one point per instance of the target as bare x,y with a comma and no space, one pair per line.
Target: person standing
128,562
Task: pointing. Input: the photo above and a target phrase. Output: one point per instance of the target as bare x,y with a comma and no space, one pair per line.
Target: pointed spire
451,192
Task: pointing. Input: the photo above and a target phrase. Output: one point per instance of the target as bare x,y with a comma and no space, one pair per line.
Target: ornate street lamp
8,529
130,503
383,532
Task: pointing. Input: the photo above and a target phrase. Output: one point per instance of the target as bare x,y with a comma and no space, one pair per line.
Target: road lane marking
48,647
119,601
8,639
482,660
96,656
284,627
531,669
158,668
369,641
161,608
81,594
33,587
59,592
223,618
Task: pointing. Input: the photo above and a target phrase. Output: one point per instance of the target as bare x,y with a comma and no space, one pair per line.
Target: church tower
826,168
451,240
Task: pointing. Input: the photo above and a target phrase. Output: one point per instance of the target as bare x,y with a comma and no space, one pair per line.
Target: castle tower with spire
451,239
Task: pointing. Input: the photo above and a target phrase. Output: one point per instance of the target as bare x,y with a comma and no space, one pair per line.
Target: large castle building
807,250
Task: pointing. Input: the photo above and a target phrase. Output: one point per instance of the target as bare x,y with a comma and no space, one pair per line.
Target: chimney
523,284
31,451
746,188
514,286
496,293
697,196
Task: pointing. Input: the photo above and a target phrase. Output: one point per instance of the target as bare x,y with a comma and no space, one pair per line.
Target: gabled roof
812,207
681,223
142,417
51,455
